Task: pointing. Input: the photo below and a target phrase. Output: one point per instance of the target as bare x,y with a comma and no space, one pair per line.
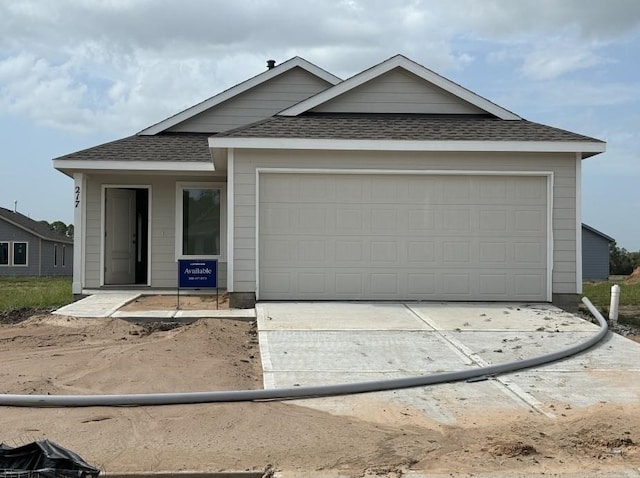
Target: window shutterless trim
180,187
26,254
8,263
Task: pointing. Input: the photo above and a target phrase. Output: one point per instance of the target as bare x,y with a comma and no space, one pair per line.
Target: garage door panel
456,284
529,221
277,217
457,191
348,250
421,220
422,252
383,191
423,190
349,188
456,219
493,284
311,283
274,282
312,250
314,219
416,241
385,221
421,284
349,283
350,220
492,220
528,253
385,284
384,252
492,190
277,250
528,285
530,190
493,253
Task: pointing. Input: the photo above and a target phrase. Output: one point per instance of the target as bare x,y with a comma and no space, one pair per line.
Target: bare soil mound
63,355
634,278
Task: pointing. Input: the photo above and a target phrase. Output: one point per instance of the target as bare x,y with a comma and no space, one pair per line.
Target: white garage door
401,237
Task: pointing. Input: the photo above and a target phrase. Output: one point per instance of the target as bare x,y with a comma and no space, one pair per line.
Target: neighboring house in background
396,184
30,248
595,254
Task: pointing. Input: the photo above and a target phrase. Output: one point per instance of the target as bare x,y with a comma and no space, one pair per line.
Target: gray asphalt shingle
194,146
35,227
403,127
161,147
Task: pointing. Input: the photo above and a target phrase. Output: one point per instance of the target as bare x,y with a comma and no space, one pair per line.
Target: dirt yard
59,355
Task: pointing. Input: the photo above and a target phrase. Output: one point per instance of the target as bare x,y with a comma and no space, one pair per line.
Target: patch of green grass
34,292
599,293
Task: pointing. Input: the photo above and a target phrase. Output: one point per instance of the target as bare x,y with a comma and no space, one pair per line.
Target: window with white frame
4,253
19,253
55,255
200,219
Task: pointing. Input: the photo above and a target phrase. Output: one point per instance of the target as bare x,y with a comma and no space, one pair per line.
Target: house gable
390,87
398,91
255,104
257,98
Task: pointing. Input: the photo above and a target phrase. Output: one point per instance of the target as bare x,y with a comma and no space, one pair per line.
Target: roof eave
599,233
586,148
70,166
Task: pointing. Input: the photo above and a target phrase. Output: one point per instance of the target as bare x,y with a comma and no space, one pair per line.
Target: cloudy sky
77,73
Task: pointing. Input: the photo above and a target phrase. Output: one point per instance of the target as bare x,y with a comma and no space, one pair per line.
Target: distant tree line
60,227
621,261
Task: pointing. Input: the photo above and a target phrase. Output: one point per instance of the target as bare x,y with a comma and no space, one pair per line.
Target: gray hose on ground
300,392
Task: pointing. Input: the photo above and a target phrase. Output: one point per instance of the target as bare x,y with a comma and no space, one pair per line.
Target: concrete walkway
317,344
107,304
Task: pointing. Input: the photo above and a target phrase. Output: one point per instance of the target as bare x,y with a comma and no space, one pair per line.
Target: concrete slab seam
502,383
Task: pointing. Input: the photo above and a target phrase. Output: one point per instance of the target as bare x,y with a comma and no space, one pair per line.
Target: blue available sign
196,274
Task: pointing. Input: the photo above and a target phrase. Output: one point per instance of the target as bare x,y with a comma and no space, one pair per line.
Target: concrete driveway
323,343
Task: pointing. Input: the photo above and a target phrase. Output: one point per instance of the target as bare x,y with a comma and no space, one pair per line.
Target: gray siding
563,167
39,254
162,200
256,104
49,267
398,91
595,256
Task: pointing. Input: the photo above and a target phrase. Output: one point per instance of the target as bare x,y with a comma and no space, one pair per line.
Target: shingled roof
403,127
162,147
37,228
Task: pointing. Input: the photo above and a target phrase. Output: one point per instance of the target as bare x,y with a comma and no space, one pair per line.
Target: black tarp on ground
43,459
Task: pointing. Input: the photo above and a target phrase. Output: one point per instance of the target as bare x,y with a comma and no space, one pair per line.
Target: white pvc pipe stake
615,301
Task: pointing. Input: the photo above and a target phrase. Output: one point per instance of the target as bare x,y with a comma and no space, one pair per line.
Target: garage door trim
549,175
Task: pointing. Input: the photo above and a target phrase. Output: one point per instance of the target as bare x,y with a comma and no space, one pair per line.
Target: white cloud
588,20
120,65
553,60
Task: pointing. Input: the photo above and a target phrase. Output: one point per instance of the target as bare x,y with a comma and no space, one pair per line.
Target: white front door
120,236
